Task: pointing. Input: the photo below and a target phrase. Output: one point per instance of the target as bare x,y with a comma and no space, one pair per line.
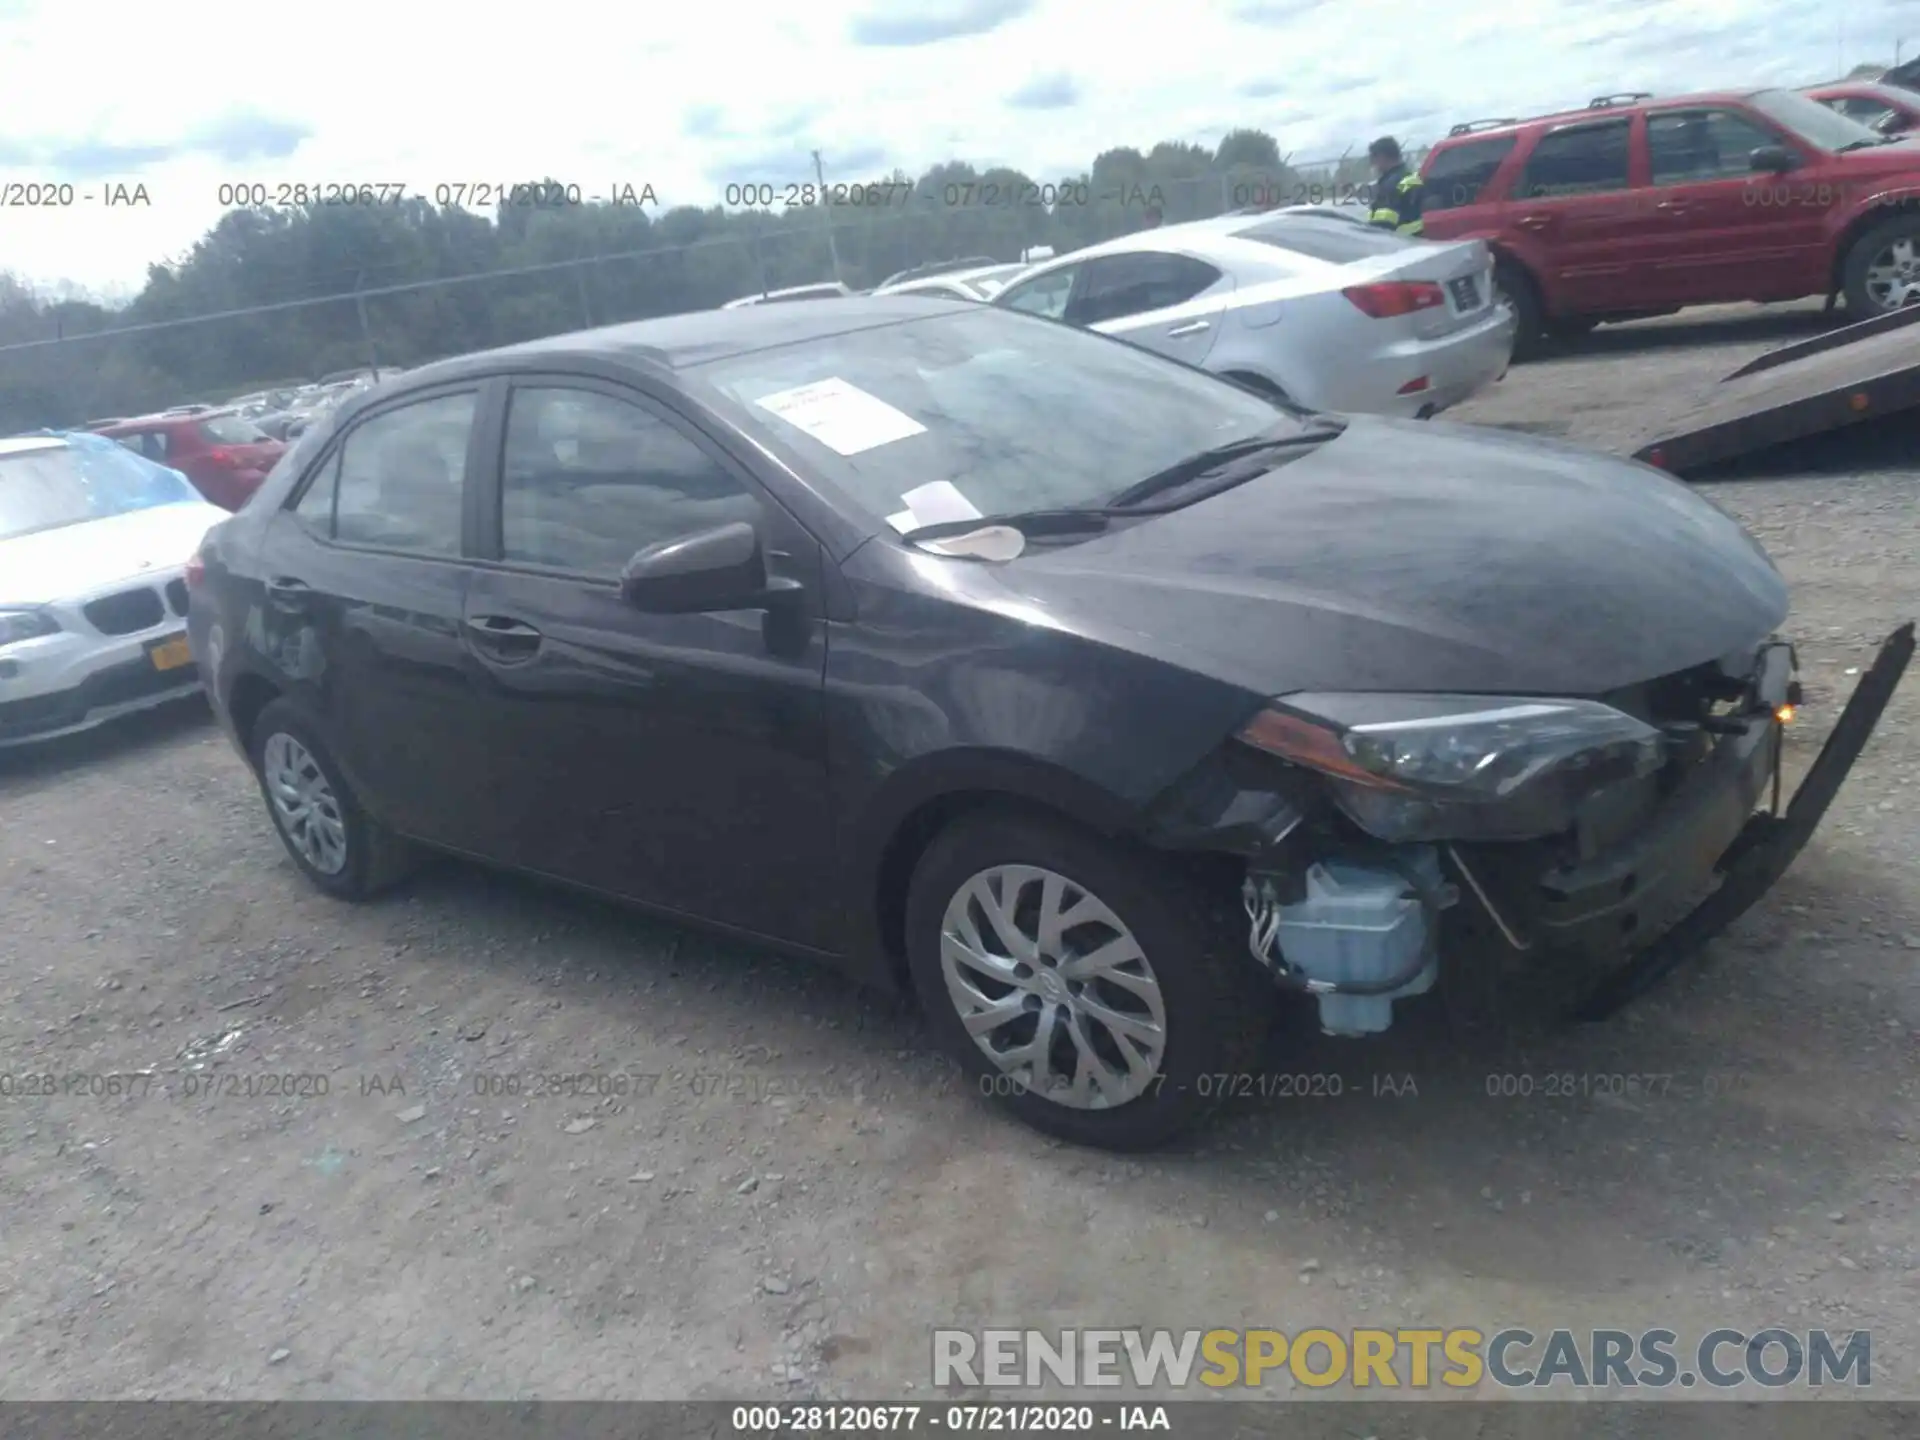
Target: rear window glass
232,430
1458,174
1335,241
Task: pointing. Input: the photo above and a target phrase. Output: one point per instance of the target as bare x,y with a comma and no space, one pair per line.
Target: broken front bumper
1712,830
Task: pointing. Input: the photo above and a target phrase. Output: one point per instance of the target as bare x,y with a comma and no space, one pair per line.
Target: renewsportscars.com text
1403,1358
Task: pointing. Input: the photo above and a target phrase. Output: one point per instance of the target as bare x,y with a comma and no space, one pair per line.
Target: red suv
224,456
1639,206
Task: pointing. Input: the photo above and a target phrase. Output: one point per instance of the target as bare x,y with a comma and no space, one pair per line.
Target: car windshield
1014,413
232,430
62,485
1812,121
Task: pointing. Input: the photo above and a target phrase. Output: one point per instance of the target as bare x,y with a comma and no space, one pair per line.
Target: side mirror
717,569
1772,160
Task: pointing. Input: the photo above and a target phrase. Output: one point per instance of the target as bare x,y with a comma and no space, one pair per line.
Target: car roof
165,418
1486,130
27,444
1219,237
913,284
675,342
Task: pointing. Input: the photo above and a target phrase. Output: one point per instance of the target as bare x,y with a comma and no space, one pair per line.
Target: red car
224,456
1641,206
1885,108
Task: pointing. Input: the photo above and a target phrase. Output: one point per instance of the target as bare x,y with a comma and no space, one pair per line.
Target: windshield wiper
1128,504
1218,457
1066,520
1864,144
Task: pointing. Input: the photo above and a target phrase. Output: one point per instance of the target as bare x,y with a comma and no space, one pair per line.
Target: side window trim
332,458
491,491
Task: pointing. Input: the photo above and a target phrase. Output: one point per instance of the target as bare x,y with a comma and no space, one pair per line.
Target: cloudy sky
184,96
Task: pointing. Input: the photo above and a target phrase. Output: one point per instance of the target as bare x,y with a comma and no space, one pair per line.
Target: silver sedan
1306,303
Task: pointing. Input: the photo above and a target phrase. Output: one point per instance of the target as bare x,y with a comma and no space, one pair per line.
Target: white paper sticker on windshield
840,416
934,503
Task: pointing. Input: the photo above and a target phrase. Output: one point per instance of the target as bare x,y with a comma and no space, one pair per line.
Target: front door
1723,231
362,615
679,760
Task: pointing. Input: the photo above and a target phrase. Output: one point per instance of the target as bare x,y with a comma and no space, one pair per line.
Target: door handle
1672,207
1534,222
503,637
1192,327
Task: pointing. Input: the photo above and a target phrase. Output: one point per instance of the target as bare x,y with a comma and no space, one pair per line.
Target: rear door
1575,217
1154,298
365,577
679,760
1721,232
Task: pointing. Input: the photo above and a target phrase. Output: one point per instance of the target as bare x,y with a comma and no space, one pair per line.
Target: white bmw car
94,545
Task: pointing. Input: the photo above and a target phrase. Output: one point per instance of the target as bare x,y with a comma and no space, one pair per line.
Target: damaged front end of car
1631,827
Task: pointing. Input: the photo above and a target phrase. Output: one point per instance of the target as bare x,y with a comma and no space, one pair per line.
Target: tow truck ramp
1849,374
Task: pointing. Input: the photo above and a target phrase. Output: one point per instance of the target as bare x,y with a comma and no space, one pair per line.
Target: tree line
577,264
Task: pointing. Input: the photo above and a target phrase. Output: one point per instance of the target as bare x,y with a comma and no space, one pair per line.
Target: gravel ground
805,1191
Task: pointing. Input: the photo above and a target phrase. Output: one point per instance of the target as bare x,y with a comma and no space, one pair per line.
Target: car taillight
1389,298
224,457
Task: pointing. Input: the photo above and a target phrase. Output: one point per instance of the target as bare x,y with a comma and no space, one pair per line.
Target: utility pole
366,330
833,250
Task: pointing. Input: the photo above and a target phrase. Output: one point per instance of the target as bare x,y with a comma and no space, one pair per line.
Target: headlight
1459,767
18,625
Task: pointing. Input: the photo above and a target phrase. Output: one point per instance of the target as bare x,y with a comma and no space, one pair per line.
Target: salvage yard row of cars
1633,206
1057,656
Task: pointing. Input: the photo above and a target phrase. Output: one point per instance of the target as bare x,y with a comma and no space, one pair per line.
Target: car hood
1410,555
52,565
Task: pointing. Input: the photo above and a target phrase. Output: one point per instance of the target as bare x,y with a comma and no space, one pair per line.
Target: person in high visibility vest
1398,195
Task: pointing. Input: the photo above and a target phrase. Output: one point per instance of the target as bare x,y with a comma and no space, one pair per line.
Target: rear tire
1883,265
1138,1043
1516,287
331,838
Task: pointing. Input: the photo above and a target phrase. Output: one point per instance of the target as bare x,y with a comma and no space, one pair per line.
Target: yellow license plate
171,654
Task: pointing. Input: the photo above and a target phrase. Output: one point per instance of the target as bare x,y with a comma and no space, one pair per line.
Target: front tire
1882,269
331,838
1089,989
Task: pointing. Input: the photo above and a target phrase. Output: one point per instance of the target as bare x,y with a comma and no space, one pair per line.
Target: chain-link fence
863,238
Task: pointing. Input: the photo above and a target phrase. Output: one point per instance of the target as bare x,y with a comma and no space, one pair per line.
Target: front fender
1869,207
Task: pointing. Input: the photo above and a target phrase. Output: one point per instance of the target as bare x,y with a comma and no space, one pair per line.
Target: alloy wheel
1053,987
1893,276
304,805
